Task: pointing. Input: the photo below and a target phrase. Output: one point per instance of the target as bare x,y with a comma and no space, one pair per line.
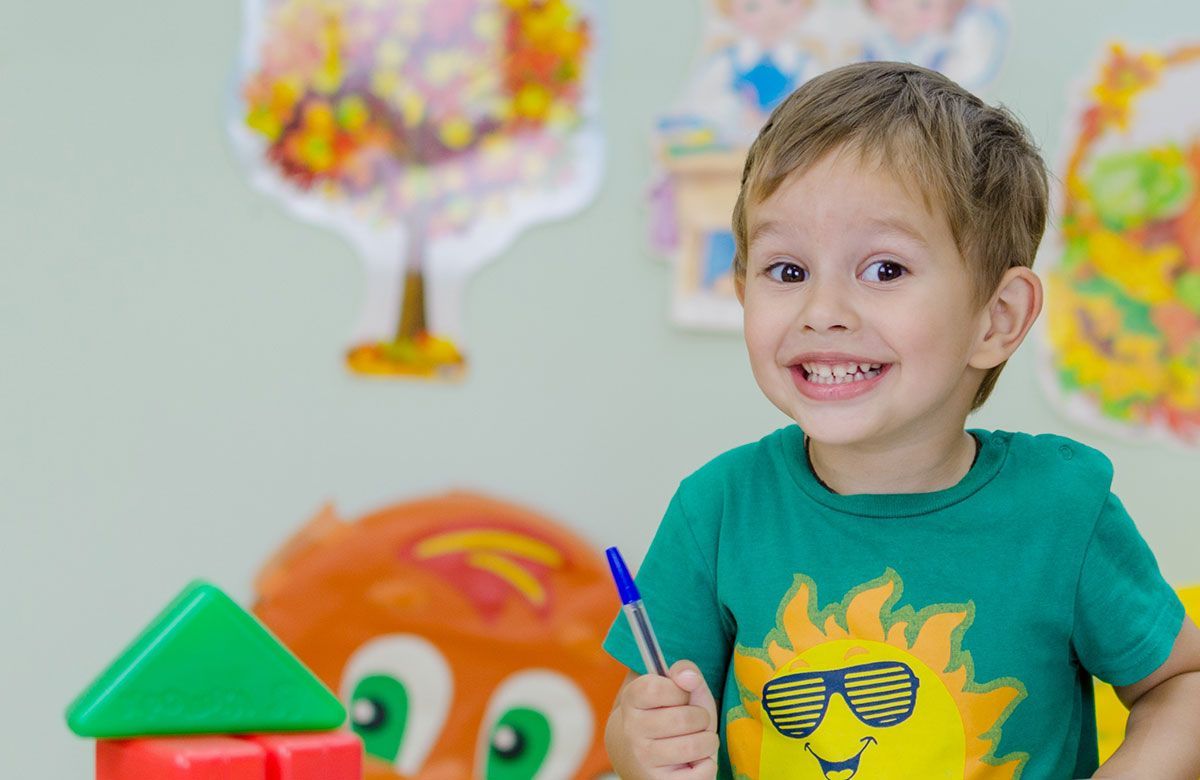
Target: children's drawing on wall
753,54
964,40
431,133
1123,293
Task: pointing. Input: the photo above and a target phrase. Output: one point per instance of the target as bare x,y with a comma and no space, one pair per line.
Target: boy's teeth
840,373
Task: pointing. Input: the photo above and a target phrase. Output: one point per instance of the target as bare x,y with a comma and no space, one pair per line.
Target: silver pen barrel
652,655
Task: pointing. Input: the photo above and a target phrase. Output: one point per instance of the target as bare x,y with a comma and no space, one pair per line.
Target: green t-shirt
934,635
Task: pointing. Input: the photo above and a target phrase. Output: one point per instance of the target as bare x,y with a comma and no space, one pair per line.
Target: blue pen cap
620,572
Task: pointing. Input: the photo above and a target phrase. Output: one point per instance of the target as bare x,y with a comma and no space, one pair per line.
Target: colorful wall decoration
753,54
429,132
1123,289
463,634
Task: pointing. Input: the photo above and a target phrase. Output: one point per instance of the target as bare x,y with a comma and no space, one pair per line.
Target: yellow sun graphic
857,690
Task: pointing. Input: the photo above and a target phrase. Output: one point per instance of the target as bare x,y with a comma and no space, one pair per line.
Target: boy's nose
828,306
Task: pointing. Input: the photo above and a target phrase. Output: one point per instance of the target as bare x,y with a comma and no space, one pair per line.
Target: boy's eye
788,273
884,271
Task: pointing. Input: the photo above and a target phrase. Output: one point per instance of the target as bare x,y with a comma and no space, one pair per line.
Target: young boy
876,592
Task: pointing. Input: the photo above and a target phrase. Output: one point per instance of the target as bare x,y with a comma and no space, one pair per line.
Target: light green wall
173,404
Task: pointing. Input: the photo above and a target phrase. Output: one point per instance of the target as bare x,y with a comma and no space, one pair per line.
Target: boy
876,592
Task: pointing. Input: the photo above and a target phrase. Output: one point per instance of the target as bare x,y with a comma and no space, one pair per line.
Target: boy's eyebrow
898,226
887,224
763,229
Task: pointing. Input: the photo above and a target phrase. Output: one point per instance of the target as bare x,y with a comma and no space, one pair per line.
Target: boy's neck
936,462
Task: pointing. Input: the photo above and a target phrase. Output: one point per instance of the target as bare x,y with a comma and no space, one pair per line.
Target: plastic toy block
334,755
204,666
180,758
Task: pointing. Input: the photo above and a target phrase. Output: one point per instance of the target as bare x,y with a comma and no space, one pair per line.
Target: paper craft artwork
753,54
1123,293
464,634
431,133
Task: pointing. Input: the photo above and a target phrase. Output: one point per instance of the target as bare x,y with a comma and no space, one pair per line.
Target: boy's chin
837,432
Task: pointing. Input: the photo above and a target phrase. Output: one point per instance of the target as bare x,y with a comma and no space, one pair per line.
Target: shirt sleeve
678,588
1126,615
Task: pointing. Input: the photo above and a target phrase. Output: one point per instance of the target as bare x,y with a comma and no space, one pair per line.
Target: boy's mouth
839,380
840,373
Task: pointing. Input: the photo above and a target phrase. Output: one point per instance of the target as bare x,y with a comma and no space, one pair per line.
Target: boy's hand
665,727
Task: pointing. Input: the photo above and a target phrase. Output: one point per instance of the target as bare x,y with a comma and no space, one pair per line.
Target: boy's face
846,267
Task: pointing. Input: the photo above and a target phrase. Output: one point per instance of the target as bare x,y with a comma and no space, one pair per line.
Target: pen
635,613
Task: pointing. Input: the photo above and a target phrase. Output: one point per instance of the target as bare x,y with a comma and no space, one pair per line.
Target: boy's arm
1162,738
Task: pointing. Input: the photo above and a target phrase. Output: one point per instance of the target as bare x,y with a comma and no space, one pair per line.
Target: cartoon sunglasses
880,694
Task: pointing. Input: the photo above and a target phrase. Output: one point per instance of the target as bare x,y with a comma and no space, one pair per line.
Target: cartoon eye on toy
398,690
879,694
538,725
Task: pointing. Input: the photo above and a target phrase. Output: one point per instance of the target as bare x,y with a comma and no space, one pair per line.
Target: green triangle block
204,666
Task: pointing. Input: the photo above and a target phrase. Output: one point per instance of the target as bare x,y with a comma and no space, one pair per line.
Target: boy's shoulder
1045,457
1065,478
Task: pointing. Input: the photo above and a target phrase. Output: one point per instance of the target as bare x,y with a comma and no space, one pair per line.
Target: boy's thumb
687,676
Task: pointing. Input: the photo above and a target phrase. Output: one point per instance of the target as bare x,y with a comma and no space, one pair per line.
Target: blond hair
975,162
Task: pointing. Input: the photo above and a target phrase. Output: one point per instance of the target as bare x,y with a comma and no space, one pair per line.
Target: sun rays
933,636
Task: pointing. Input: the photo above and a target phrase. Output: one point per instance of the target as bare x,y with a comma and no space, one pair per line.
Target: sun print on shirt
857,690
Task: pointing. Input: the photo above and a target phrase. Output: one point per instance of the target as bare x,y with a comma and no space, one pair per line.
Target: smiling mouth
841,373
849,765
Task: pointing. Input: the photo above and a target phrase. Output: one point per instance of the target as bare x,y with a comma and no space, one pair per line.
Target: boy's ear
739,288
1009,316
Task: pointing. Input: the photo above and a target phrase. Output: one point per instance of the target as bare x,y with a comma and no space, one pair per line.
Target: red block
179,758
330,755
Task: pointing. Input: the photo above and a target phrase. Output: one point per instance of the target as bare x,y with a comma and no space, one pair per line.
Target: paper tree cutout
431,133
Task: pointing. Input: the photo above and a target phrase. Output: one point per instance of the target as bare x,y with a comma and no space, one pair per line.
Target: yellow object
1127,77
263,122
328,77
903,749
353,113
1183,390
840,643
1144,274
428,356
1088,333
456,133
533,101
318,118
491,542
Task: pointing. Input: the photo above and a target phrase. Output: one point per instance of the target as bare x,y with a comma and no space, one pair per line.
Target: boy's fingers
687,749
671,721
704,769
687,676
651,691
